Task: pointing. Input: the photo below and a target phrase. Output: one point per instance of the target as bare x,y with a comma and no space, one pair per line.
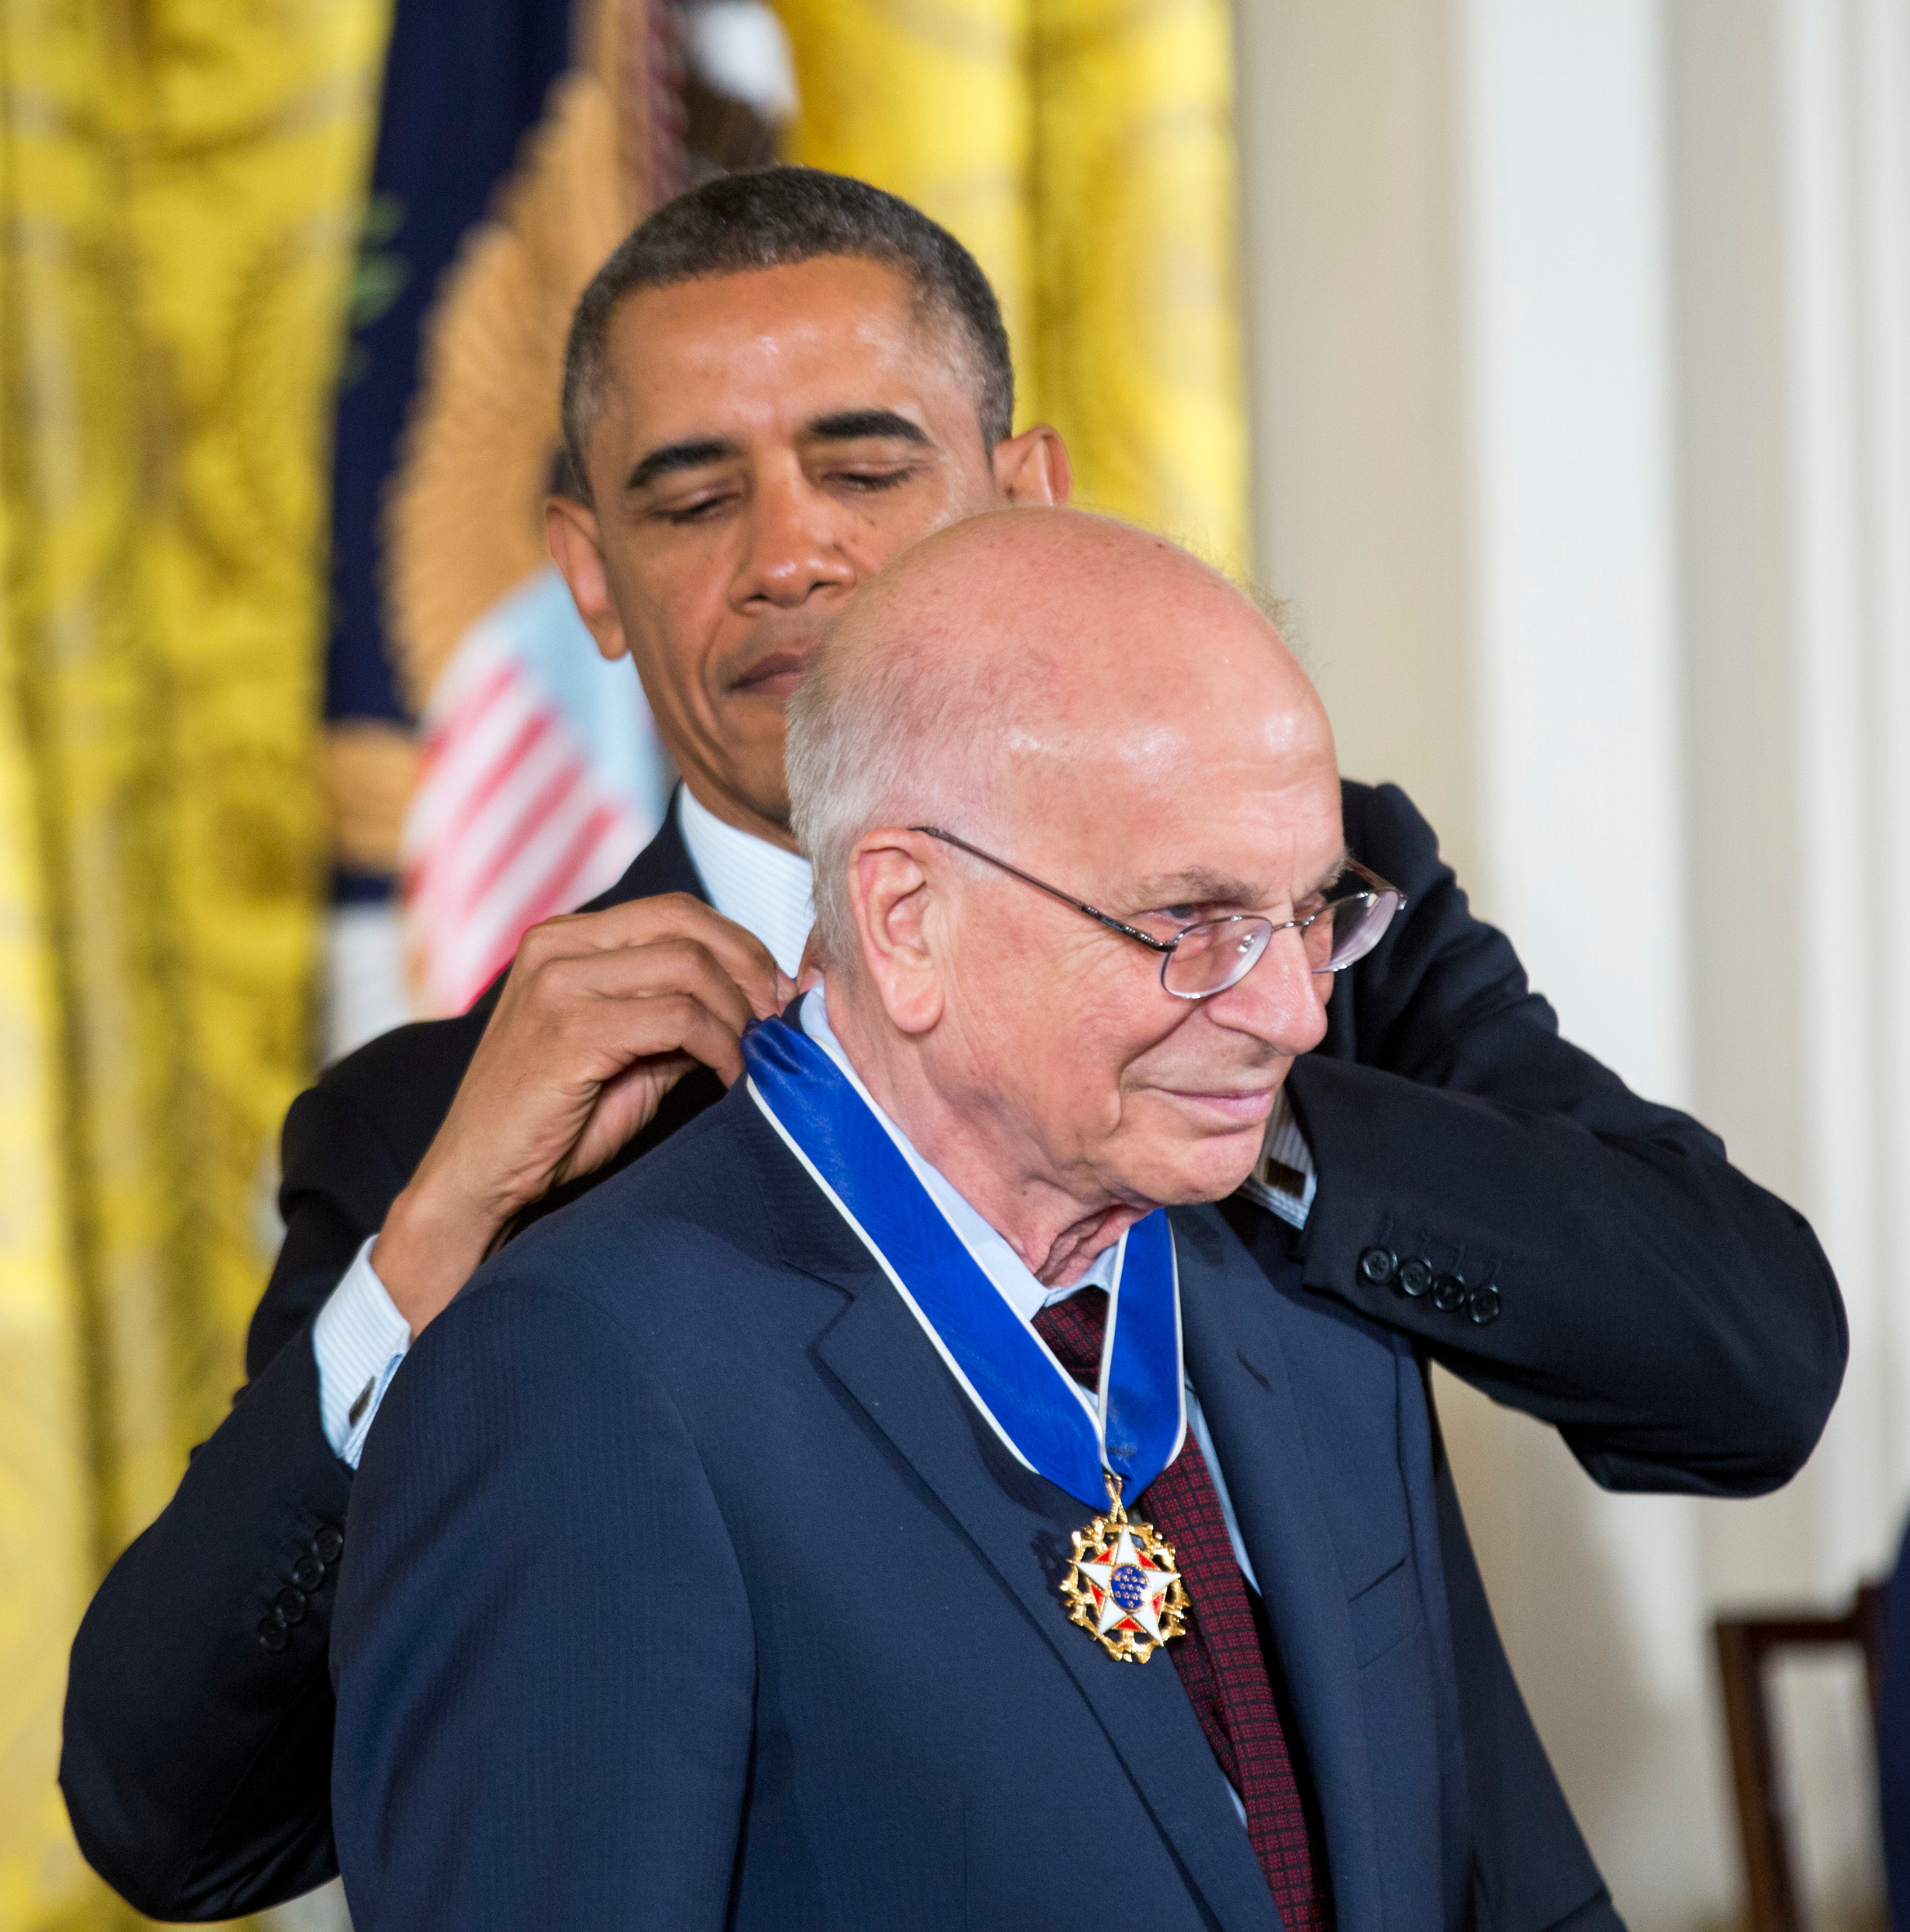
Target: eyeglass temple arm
1377,884
1147,939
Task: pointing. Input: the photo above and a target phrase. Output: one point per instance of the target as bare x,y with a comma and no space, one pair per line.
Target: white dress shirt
760,887
360,1338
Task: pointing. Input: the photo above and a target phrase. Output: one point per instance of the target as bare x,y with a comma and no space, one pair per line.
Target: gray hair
880,735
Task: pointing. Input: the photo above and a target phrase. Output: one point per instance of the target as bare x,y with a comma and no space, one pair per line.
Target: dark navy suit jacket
1676,1323
684,1589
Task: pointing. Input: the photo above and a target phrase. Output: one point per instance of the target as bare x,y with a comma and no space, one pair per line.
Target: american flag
542,778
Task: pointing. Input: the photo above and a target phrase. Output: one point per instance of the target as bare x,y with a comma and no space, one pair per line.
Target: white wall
1574,669
1347,121
1582,337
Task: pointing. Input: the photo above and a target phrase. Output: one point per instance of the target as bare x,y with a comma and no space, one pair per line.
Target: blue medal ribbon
1048,1422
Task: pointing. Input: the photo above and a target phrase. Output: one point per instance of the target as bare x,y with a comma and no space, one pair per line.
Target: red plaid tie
1221,1665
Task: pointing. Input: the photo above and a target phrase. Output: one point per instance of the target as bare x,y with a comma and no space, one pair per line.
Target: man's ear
570,531
1033,467
893,903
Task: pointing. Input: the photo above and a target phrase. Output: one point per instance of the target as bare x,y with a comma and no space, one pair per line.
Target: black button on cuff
1378,1266
273,1634
1416,1276
307,1573
328,1544
291,1605
1448,1293
1484,1307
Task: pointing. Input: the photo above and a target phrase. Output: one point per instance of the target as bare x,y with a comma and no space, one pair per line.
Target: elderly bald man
872,1509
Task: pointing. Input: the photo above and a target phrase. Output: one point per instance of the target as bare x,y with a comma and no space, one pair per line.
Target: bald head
1126,770
1025,666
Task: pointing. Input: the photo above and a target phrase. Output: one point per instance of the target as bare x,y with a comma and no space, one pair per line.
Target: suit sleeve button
1484,1307
1448,1293
1416,1276
1378,1266
290,1604
327,1544
273,1634
307,1573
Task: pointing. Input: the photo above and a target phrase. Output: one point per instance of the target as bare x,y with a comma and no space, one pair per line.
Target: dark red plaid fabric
1221,1665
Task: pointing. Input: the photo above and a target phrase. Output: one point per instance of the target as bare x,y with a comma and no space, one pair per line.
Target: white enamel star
1154,1584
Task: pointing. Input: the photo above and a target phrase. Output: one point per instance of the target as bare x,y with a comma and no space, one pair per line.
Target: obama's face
766,442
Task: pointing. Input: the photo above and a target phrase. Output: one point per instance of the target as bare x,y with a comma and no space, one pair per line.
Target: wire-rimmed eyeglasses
1209,957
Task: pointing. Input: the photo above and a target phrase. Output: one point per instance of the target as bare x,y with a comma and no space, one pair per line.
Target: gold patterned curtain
179,190
1084,150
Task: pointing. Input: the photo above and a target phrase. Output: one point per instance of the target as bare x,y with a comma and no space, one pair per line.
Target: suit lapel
663,865
881,1357
1237,1363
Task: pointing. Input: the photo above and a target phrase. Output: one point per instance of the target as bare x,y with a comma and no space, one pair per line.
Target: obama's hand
603,1014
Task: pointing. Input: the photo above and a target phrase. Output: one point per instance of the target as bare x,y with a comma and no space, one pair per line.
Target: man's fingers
602,1015
646,1033
642,923
669,1035
704,1019
574,994
716,1046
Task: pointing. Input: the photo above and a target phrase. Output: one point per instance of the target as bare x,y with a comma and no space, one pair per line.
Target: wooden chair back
1745,1646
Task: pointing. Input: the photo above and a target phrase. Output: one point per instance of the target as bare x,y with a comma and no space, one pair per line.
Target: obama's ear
571,534
1033,467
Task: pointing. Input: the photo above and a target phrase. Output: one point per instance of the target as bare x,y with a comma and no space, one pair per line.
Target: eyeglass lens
1211,957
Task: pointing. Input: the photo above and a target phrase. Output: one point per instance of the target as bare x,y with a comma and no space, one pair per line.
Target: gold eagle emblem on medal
1122,1588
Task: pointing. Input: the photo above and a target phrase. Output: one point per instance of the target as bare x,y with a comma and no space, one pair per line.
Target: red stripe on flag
523,741
566,875
558,892
529,821
437,867
451,731
455,788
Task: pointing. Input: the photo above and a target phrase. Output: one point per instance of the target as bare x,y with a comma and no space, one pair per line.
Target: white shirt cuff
358,1338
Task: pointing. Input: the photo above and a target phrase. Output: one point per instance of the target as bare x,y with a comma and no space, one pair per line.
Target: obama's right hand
603,1014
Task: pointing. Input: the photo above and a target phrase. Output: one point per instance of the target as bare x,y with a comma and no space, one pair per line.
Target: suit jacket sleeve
1677,1323
197,1761
543,1650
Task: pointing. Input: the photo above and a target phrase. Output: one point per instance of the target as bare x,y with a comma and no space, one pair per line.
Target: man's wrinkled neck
1056,1234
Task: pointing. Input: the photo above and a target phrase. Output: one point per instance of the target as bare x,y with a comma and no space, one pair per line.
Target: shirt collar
1283,1180
990,1249
762,888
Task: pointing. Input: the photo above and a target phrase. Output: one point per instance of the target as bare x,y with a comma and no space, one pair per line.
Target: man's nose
1282,1000
794,548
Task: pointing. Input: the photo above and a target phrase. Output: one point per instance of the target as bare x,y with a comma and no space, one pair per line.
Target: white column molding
1884,244
1581,831
1574,602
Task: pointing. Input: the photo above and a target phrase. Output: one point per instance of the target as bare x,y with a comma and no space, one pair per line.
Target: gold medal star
1122,1588
1131,1584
